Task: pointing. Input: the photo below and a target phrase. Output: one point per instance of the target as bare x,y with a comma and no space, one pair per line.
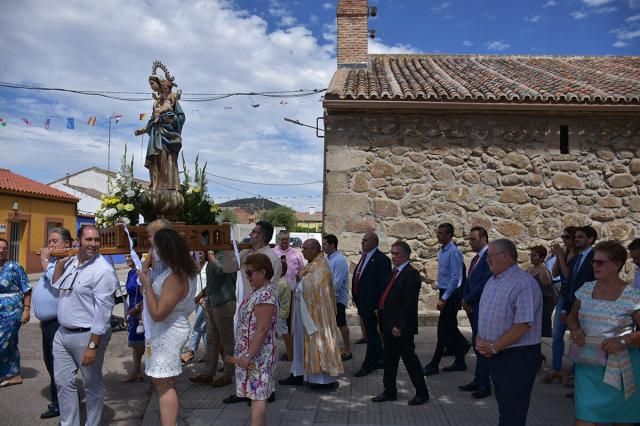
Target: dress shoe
292,381
53,405
361,340
384,397
430,370
455,367
324,386
418,400
362,372
233,399
469,387
481,393
218,382
50,413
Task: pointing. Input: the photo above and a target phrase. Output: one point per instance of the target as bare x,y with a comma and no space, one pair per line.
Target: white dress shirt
86,294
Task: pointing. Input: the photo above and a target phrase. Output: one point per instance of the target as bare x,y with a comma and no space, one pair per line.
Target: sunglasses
597,263
67,284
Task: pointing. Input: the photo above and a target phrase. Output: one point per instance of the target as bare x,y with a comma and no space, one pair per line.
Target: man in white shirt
634,252
87,283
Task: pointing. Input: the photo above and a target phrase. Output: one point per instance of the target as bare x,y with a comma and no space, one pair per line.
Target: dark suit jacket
583,275
476,281
401,306
373,281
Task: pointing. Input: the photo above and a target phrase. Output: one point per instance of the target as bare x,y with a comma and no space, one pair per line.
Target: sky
232,46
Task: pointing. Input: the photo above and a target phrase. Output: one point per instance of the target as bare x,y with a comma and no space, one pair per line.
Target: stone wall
404,174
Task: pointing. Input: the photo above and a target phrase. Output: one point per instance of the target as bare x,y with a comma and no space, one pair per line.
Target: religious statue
163,199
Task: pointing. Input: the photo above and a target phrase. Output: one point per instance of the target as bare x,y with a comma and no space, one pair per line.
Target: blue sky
225,46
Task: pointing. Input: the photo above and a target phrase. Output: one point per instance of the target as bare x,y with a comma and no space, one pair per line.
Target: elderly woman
604,343
169,301
255,348
15,310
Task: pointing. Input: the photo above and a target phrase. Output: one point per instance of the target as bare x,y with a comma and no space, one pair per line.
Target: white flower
109,213
125,220
130,193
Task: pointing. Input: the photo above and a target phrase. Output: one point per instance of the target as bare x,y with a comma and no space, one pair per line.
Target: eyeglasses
67,284
598,262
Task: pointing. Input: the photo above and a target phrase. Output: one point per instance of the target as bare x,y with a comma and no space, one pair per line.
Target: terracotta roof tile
16,183
504,79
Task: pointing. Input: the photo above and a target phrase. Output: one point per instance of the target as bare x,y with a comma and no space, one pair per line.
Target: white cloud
594,3
604,10
330,32
278,9
534,19
619,44
327,6
313,19
376,46
441,7
578,14
210,47
497,45
628,35
467,43
633,18
550,3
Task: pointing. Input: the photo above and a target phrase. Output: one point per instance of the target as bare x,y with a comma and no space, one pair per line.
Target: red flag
117,117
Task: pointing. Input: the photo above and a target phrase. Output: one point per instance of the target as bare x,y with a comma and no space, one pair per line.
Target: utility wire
263,183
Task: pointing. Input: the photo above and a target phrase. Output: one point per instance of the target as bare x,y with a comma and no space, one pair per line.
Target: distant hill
252,205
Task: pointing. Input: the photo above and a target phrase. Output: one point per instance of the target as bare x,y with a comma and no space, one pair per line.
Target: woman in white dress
170,301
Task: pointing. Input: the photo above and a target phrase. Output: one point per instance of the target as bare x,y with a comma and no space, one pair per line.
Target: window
564,139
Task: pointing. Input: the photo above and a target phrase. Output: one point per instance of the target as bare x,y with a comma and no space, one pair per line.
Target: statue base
161,204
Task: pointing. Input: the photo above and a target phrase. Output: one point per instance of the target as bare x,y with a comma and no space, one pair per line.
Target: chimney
66,179
353,31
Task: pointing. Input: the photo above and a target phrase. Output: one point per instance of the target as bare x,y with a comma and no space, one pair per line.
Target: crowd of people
246,302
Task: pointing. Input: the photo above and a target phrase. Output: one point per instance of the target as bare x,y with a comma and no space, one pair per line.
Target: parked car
295,242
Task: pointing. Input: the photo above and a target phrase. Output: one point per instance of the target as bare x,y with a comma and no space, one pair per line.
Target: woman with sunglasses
170,301
603,323
255,348
564,256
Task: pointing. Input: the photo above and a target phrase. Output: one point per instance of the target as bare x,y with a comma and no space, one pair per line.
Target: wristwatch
247,355
493,349
92,345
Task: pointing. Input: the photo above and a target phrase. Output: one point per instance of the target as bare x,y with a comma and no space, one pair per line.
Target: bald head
310,249
369,241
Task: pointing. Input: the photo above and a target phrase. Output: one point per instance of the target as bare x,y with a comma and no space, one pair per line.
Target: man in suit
582,270
398,315
450,278
370,278
477,276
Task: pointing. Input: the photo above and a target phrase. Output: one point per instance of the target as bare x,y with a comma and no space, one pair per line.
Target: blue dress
135,297
14,284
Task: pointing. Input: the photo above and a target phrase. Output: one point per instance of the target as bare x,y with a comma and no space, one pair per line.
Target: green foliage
199,208
122,203
280,216
228,215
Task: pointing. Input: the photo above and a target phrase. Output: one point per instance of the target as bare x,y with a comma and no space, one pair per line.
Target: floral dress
14,284
257,381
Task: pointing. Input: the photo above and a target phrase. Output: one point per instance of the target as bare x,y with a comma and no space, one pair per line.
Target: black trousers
394,349
374,346
449,335
49,329
513,372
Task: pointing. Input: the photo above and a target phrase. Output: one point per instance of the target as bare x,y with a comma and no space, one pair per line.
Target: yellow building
28,210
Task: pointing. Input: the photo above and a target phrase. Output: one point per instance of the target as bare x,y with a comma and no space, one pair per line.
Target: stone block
622,180
458,194
411,171
575,219
633,203
336,182
408,229
454,161
498,211
510,229
341,159
561,182
470,176
609,202
606,155
395,192
516,160
360,183
634,166
443,174
526,213
385,208
417,208
419,188
603,215
380,169
489,177
619,231
360,225
514,195
347,205
512,179
539,193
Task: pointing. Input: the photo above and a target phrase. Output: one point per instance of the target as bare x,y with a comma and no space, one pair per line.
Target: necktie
474,262
388,289
576,267
358,273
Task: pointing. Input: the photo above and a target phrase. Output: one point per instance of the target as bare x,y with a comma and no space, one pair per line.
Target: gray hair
506,246
64,234
283,233
402,245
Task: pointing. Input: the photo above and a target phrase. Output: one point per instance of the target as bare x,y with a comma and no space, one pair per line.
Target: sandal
11,382
552,377
187,357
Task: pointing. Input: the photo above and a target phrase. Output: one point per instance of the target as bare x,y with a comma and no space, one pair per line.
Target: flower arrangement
199,207
121,204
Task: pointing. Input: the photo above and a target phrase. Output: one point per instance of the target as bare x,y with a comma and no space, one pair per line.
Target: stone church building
522,145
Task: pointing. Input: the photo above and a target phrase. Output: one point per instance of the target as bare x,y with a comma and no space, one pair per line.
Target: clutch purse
590,353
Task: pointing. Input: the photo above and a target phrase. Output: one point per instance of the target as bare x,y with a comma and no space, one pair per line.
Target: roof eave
477,107
39,196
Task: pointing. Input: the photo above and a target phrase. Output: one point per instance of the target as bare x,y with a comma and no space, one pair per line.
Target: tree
280,216
228,215
199,208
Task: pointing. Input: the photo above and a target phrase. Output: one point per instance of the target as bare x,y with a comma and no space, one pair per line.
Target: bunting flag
47,123
117,117
142,116
27,122
92,121
70,123
2,122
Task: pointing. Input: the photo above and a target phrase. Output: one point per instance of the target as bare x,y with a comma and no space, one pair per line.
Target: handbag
590,353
